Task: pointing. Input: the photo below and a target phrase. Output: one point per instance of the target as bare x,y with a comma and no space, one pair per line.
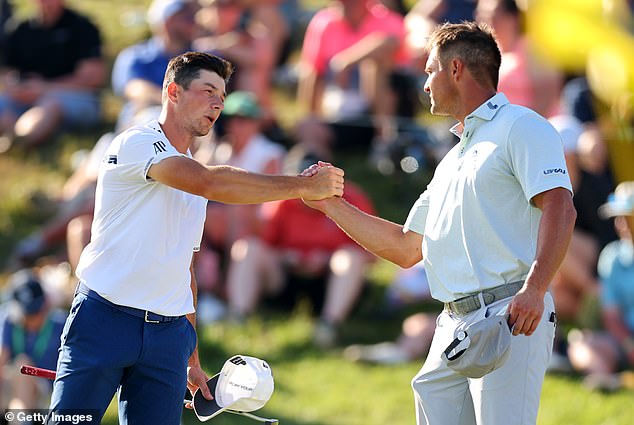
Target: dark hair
474,44
185,68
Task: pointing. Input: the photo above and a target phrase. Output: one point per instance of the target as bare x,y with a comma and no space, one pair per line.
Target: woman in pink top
525,79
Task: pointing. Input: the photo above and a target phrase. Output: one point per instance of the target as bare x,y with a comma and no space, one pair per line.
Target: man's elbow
409,260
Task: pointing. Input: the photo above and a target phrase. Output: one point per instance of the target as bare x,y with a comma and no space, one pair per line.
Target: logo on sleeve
112,159
159,147
555,171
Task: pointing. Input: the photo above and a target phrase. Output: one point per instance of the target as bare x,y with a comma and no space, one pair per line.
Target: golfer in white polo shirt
492,228
131,327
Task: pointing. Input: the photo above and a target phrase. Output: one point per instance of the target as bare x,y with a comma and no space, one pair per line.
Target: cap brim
203,408
610,210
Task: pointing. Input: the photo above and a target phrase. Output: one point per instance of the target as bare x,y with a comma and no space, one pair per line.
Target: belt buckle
147,319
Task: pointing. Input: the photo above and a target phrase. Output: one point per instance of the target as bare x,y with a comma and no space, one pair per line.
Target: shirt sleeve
417,215
121,70
537,155
137,152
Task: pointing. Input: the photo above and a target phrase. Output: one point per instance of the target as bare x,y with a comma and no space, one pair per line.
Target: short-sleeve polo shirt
144,233
478,223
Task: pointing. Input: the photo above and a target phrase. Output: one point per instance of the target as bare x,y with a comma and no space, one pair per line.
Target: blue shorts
80,109
106,350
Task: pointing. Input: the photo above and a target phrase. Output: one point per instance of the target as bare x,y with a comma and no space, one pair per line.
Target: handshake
326,181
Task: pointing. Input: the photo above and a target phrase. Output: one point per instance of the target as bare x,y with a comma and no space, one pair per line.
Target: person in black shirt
53,72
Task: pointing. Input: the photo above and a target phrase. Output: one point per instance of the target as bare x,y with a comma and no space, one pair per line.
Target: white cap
244,384
161,10
481,347
620,203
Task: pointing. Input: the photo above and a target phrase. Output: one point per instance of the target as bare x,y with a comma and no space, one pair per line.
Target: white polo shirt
144,233
479,226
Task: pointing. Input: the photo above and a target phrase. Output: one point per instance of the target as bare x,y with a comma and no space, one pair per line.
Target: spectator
353,51
138,71
425,15
602,354
30,335
300,253
241,145
53,76
72,217
525,78
229,32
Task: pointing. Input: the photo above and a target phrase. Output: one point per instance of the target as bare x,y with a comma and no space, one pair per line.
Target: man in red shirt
300,251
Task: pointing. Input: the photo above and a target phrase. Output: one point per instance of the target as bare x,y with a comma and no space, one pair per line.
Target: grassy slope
312,387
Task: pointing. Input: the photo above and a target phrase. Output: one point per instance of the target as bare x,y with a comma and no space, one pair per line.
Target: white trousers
507,396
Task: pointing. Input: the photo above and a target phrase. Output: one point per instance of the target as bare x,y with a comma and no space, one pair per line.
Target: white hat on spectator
161,10
620,203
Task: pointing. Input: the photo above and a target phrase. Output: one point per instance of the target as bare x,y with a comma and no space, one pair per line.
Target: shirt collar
486,111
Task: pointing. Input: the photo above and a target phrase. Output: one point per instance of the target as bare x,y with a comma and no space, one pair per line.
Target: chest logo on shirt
112,159
159,147
555,171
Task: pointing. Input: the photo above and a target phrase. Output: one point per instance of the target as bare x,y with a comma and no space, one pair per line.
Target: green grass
312,387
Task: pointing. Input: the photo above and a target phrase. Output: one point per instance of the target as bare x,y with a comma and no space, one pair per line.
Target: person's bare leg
418,331
592,353
253,269
25,390
348,268
39,123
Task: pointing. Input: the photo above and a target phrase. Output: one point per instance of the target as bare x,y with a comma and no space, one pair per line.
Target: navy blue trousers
105,350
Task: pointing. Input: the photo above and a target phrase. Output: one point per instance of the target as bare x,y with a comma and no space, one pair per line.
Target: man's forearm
381,237
555,231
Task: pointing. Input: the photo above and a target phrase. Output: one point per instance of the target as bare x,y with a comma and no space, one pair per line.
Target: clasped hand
328,181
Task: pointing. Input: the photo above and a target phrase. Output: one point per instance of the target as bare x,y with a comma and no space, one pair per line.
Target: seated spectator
601,354
31,334
72,218
242,145
138,71
229,31
353,58
53,76
300,253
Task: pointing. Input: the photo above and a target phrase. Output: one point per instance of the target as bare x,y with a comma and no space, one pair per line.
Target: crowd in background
357,67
